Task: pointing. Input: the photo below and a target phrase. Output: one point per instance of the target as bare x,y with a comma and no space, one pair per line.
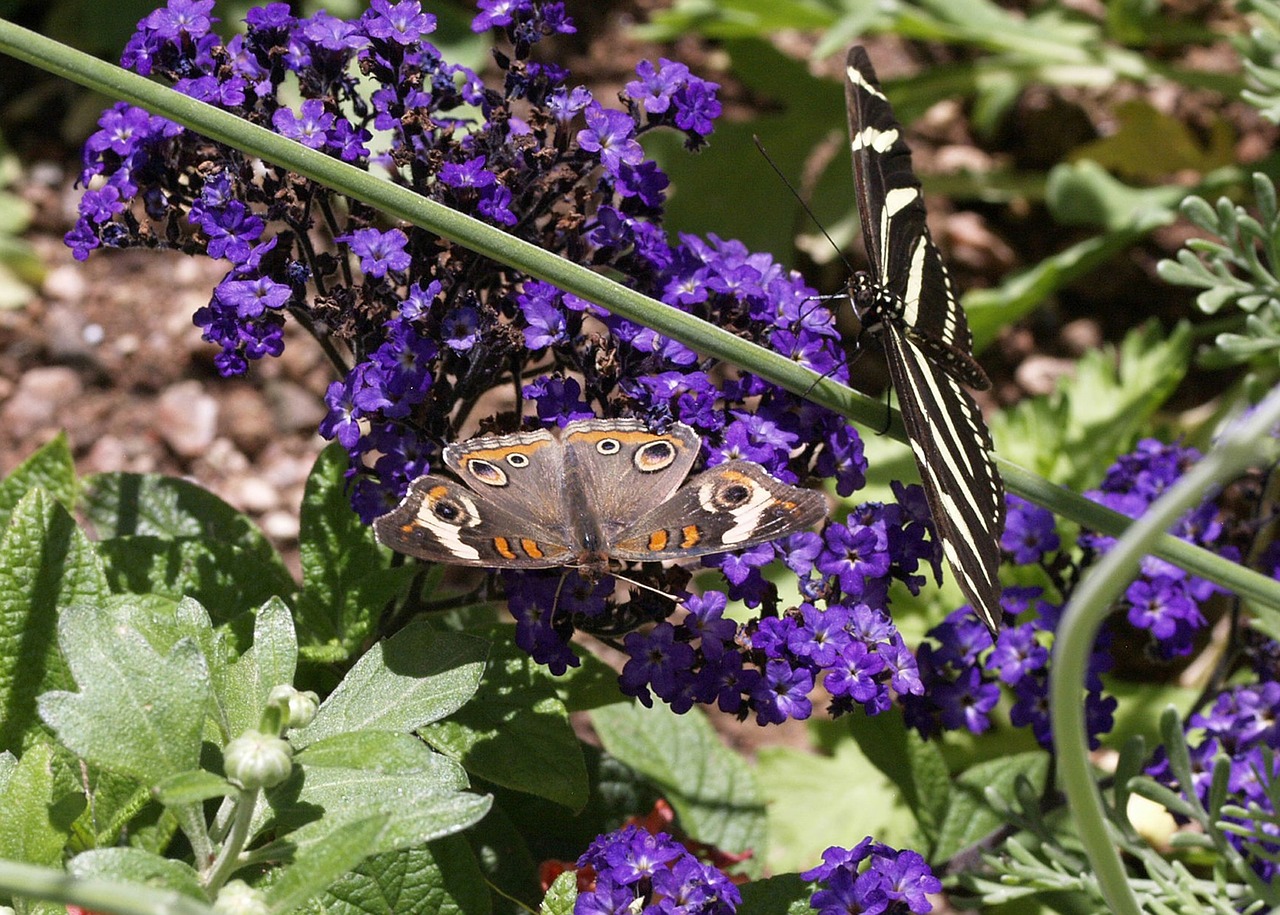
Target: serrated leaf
1072,435
271,661
51,468
127,504
318,864
969,816
138,866
417,676
341,560
515,732
138,712
381,751
816,801
416,807
561,895
46,563
192,788
436,878
36,809
222,576
713,790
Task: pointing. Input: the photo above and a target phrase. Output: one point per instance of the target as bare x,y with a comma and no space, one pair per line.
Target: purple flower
250,298
469,174
655,87
379,252
697,107
461,328
612,135
310,127
403,23
1029,531
498,13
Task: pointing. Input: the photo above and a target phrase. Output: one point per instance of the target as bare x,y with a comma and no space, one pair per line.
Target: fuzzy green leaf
51,468
439,878
271,661
515,731
36,807
713,790
46,563
138,866
138,712
417,676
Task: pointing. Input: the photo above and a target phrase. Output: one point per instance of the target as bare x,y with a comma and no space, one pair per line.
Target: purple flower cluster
872,878
421,331
962,671
1243,725
1164,600
643,873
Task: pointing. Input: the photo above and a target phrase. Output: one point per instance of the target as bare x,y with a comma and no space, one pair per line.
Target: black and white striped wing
908,300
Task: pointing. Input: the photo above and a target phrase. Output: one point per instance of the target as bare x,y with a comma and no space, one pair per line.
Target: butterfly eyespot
447,510
654,456
488,472
608,446
733,495
517,459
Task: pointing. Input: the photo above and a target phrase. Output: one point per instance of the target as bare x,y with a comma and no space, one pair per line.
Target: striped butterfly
907,302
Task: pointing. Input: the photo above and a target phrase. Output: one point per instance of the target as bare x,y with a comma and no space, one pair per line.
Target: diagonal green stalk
1248,444
700,336
93,893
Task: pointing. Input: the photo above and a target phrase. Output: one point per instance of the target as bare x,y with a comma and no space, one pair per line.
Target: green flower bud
257,760
238,898
301,705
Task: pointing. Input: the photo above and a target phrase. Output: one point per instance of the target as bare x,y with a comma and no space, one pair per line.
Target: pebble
187,418
41,394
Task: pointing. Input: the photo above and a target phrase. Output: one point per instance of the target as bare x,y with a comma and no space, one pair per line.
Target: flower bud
257,760
238,898
301,706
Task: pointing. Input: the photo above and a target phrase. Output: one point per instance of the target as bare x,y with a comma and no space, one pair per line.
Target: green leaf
345,577
969,816
36,807
382,751
138,866
786,893
138,712
515,732
316,865
561,895
1084,194
417,676
914,765
113,804
46,563
1149,145
270,662
192,788
414,807
439,878
221,576
127,504
51,468
713,790
1072,435
816,801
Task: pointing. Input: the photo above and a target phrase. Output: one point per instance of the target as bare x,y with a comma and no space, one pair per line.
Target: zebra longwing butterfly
906,300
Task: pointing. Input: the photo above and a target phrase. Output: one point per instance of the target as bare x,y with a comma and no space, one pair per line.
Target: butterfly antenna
803,204
640,584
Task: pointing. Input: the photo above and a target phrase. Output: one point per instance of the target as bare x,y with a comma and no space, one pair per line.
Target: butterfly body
602,491
906,300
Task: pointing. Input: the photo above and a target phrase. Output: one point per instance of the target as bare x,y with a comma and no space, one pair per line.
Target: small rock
1039,374
38,399
251,494
246,419
66,283
187,418
280,525
296,409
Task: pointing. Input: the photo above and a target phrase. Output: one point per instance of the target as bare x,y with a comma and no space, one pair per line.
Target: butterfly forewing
909,301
